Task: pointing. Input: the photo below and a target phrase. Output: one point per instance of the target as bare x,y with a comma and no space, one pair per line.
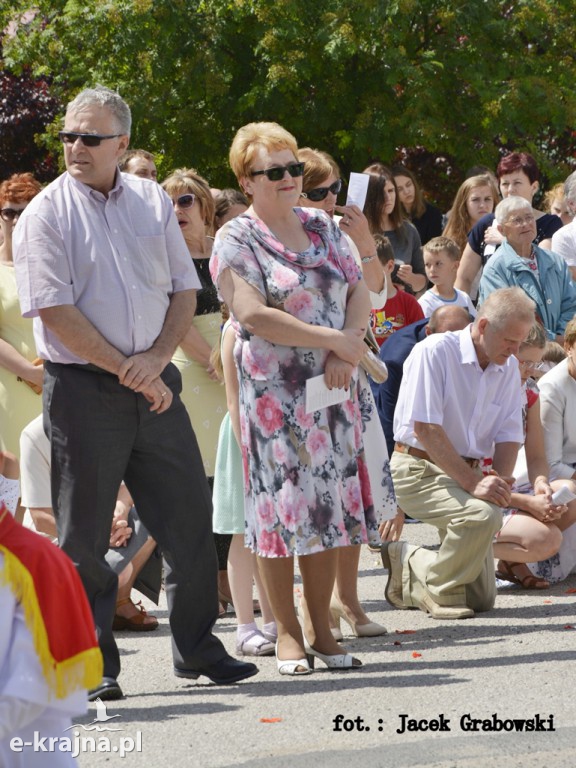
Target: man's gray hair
507,304
510,205
104,97
570,188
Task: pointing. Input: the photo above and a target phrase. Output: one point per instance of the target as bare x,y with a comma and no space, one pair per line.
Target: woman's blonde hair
459,221
556,193
536,337
184,180
253,136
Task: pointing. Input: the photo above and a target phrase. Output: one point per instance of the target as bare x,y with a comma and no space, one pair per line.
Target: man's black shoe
224,672
108,690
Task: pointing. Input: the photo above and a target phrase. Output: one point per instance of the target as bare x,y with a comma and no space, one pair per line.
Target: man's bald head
453,318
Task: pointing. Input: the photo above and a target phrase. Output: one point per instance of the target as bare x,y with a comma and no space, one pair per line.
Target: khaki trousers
462,571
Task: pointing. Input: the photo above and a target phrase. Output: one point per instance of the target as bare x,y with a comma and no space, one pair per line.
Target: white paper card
318,395
357,189
563,496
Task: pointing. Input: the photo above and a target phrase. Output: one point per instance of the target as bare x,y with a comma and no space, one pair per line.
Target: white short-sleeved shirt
444,384
430,301
118,259
564,243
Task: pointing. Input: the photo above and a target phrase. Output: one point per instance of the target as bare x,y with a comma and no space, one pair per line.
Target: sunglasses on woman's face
9,214
184,201
320,193
277,173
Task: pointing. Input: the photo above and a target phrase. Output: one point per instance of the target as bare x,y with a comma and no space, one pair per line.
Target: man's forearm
505,456
82,338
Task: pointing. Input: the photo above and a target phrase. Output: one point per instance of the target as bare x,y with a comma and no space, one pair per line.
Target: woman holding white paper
300,310
532,528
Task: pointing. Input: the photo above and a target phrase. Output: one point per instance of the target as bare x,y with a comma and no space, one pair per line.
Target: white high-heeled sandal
333,661
292,667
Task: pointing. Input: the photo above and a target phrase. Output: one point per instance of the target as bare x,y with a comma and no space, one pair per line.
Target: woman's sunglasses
9,214
88,139
320,193
184,201
277,173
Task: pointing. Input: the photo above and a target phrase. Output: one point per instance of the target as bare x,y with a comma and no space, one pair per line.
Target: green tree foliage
458,81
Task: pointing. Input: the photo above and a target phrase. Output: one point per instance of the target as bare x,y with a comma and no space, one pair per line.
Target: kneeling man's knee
487,515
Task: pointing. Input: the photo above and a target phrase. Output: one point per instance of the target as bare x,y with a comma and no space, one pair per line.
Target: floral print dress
305,475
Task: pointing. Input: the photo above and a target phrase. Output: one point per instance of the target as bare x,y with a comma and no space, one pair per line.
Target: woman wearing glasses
202,393
320,187
542,275
20,378
300,310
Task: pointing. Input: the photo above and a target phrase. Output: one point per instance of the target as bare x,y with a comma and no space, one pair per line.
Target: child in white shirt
441,260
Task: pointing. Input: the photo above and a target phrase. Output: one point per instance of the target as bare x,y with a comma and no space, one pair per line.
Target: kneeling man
460,401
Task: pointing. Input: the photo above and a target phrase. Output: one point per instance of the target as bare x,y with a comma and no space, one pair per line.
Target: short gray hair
570,187
509,205
104,97
507,304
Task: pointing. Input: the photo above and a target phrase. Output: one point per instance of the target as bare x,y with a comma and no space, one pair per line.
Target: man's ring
163,395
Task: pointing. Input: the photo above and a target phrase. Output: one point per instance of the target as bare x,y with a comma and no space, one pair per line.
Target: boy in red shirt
401,307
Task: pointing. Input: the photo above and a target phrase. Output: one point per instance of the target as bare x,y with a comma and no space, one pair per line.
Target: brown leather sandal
506,572
141,622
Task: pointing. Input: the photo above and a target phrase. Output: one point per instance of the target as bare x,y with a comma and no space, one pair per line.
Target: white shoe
254,644
292,667
334,661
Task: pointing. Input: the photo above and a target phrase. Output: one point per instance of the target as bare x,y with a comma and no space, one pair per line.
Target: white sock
270,629
244,630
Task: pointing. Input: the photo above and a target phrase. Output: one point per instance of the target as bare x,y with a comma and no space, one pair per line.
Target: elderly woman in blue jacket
542,274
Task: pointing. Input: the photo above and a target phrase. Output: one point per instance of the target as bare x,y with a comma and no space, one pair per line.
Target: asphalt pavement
422,688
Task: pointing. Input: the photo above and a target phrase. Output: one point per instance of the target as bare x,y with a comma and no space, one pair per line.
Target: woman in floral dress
300,310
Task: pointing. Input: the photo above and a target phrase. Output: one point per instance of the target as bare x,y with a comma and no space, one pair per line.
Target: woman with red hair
20,378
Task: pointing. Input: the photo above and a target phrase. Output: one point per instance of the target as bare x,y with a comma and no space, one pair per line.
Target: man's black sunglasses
88,139
320,193
277,173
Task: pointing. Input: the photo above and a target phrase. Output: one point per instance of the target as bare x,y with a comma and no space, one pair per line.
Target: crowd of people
183,379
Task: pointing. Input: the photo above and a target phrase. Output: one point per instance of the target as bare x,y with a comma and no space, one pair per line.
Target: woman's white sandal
292,667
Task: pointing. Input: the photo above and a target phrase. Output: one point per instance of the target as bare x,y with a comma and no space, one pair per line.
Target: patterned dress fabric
306,479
